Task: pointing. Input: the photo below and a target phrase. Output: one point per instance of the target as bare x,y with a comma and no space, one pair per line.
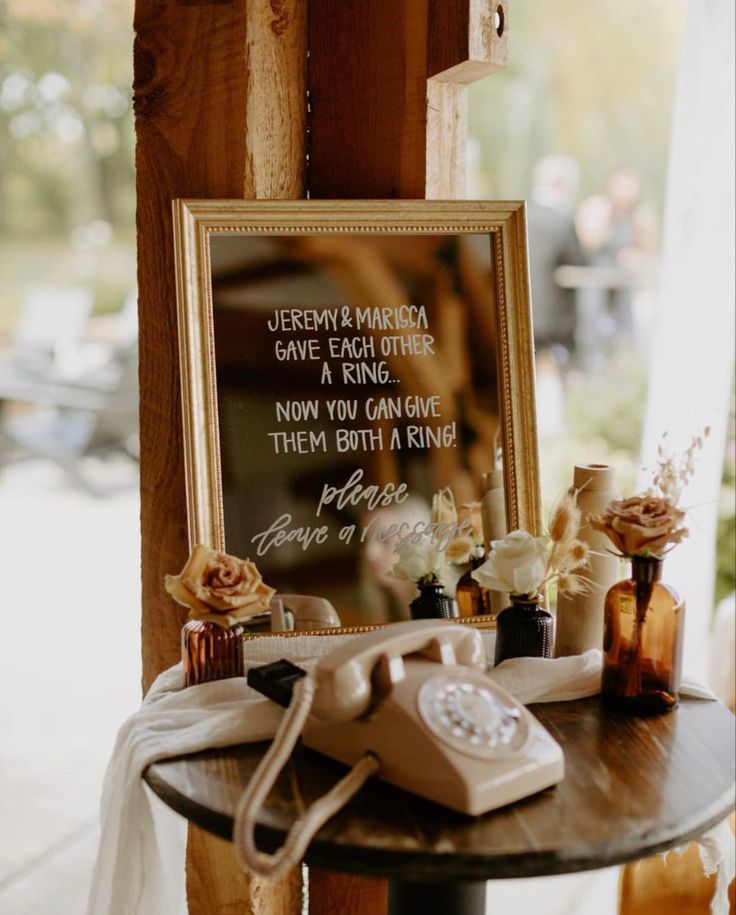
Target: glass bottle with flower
644,617
422,562
523,565
466,550
459,532
222,593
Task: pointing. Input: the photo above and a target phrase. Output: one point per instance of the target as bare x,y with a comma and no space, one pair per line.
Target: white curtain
693,354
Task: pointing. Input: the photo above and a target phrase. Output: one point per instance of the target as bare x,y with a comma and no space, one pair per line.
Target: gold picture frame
197,221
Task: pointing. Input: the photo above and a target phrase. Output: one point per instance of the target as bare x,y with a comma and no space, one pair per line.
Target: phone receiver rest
344,677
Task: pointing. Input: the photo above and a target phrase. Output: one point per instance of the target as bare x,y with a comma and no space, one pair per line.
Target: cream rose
460,549
642,525
517,564
219,587
420,561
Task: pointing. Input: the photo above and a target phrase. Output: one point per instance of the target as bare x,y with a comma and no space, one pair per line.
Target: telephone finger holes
467,715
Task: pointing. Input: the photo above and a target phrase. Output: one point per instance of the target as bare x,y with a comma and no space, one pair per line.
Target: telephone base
448,734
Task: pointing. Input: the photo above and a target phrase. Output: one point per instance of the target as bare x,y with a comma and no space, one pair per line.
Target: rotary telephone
412,704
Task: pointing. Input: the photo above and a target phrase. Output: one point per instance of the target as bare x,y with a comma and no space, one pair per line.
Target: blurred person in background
619,232
553,243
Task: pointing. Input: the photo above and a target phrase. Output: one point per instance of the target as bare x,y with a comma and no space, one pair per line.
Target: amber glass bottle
211,651
642,644
472,600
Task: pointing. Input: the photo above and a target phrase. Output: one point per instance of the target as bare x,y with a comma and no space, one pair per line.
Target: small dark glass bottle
433,603
642,644
472,599
211,651
524,630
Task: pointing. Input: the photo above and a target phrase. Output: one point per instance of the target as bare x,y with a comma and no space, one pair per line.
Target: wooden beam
467,40
220,112
388,119
206,76
367,93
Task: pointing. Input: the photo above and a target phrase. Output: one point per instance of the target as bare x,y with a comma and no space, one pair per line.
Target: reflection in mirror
356,377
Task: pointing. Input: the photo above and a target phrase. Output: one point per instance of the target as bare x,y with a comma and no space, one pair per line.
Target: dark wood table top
633,787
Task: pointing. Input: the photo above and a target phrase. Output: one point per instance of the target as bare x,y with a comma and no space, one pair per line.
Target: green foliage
609,405
66,139
726,538
725,553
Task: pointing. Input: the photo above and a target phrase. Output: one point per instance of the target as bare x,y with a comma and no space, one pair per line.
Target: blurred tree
66,138
595,80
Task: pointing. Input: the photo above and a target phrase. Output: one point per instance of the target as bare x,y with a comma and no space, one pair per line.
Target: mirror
341,363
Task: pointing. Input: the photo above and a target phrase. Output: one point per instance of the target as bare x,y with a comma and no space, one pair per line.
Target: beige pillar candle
580,618
493,513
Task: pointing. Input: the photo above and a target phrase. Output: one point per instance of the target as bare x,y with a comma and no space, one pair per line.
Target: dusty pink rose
642,525
214,584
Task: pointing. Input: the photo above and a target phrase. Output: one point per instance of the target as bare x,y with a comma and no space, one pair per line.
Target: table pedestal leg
461,898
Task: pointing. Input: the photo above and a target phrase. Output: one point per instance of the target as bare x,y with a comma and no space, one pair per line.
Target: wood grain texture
662,886
276,107
367,90
467,39
206,126
379,130
341,894
219,113
188,83
367,138
447,131
633,787
217,886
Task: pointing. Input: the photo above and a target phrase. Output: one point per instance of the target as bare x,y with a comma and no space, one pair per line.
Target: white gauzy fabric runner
140,862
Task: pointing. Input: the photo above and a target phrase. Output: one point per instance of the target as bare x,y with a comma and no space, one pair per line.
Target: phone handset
340,689
346,678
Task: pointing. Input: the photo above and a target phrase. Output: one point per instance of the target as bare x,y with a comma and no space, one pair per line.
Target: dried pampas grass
568,553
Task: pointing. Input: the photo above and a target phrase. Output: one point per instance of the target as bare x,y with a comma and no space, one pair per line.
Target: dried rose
219,587
642,525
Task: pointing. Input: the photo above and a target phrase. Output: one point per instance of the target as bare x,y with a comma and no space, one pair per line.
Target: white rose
418,560
517,564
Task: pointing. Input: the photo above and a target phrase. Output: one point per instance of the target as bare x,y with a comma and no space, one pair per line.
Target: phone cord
303,830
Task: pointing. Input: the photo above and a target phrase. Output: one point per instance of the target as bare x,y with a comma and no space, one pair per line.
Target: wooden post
387,87
220,107
206,76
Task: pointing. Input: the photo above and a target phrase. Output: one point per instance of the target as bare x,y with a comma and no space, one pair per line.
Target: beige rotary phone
411,703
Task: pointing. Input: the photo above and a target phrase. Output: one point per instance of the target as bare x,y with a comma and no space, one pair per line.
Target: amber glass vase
472,599
211,651
524,630
642,643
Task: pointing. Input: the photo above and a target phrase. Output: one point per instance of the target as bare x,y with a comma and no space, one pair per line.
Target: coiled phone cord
303,830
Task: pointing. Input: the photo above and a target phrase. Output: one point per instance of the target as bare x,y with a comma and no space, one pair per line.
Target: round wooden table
633,787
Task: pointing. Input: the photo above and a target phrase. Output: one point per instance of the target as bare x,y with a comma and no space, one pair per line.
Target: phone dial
412,704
